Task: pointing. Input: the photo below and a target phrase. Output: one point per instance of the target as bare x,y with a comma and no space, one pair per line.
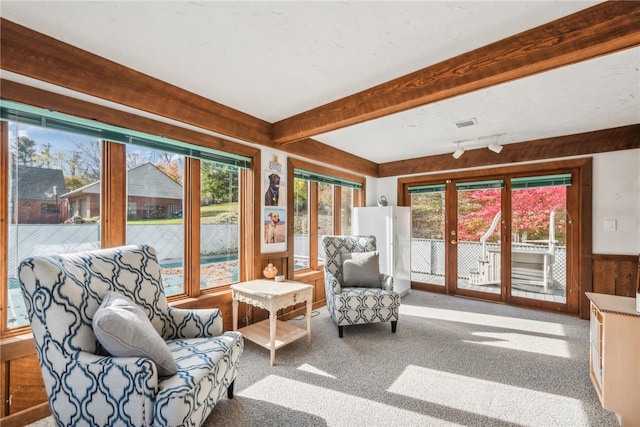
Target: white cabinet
614,362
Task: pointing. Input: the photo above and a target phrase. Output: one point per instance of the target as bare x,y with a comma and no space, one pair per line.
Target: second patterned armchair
356,291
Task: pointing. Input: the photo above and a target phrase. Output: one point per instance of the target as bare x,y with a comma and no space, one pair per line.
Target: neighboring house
83,202
38,193
151,194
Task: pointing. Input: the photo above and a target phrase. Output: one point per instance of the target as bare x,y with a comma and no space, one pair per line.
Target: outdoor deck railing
427,256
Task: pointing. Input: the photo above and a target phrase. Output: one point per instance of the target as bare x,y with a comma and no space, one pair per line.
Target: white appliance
392,227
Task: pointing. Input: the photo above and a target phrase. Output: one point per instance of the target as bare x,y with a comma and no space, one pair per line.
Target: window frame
312,207
114,197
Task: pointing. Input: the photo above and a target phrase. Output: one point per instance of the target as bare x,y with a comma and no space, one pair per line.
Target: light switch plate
610,225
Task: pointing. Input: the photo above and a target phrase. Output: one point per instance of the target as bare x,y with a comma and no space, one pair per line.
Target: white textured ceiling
276,59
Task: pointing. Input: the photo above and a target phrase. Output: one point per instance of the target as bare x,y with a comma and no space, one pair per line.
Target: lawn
221,213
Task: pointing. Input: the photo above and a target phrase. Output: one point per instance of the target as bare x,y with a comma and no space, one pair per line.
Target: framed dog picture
275,226
274,212
275,193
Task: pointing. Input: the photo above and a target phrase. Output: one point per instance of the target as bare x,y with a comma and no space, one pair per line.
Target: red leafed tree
476,210
530,209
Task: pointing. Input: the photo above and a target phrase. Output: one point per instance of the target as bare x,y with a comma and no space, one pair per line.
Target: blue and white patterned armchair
356,305
88,387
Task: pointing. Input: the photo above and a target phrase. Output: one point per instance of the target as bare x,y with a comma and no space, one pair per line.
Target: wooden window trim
191,225
114,197
4,232
358,200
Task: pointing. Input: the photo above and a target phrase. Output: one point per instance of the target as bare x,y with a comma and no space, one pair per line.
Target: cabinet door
596,349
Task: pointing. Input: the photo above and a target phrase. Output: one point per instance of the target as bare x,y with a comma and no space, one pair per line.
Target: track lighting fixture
459,152
494,146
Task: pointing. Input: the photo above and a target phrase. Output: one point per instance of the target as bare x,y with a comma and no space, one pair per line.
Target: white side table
272,296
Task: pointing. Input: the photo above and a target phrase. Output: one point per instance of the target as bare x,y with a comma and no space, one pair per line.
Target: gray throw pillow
361,269
124,330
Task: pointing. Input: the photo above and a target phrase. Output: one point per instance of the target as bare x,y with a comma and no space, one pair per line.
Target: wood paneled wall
22,388
615,274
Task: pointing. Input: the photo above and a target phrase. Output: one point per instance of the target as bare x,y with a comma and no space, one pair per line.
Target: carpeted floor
453,361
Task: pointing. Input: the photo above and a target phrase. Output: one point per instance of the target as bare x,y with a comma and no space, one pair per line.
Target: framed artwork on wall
274,207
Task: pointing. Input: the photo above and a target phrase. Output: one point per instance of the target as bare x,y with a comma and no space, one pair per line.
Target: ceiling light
494,146
459,152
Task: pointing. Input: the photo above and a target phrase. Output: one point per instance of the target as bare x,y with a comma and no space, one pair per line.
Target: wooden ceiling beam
32,54
29,53
315,150
599,30
28,95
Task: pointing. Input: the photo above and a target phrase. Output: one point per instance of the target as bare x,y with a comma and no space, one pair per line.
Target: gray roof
36,183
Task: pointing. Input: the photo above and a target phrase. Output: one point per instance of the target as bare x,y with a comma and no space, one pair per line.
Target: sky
64,141
61,141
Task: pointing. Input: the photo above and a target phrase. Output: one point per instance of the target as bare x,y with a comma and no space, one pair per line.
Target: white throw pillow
361,269
124,330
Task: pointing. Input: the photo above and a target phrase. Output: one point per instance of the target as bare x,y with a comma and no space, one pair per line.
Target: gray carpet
453,361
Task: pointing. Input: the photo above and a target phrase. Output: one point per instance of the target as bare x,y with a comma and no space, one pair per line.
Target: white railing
427,257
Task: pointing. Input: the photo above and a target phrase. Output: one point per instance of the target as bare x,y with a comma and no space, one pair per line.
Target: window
154,184
52,181
49,209
326,208
540,229
49,169
301,219
322,204
219,224
346,209
428,219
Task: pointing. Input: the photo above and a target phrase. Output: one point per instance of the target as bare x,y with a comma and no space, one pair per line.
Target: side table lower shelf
285,333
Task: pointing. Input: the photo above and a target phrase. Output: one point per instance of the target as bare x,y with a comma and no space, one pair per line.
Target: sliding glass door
539,232
428,234
478,232
505,238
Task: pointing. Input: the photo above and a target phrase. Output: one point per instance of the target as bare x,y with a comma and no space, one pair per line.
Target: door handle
454,241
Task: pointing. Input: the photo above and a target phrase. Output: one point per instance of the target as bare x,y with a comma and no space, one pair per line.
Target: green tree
428,215
26,149
73,182
300,195
47,158
219,183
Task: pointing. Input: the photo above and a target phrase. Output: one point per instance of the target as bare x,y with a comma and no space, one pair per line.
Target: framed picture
274,208
275,226
275,191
